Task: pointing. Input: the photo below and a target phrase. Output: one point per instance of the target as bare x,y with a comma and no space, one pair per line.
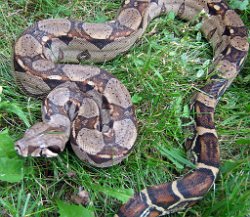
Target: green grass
161,71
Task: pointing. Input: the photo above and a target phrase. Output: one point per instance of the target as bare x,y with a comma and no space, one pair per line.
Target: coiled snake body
93,109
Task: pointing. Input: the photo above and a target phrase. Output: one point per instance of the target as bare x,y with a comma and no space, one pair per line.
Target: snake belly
92,109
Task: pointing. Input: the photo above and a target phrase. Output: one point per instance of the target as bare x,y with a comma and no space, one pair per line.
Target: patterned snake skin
92,109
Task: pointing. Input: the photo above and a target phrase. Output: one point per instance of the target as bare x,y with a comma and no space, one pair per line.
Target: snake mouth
37,150
47,152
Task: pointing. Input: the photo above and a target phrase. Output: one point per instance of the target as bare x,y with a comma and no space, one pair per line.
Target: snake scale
92,109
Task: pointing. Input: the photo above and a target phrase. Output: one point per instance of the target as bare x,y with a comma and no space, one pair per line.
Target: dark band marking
235,31
207,150
181,10
196,183
231,54
17,67
134,207
82,122
218,8
84,55
98,159
100,43
84,87
156,1
214,88
162,195
211,33
48,44
65,39
53,83
54,149
204,116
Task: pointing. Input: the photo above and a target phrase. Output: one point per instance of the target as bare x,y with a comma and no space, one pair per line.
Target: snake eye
54,149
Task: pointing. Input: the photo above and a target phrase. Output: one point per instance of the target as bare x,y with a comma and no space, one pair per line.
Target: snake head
42,139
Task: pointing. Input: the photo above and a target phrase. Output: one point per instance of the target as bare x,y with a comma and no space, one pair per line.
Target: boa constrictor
93,109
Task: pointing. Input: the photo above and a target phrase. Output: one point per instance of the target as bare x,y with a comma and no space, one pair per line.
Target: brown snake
93,109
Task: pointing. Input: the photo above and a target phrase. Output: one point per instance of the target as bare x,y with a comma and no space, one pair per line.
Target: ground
161,71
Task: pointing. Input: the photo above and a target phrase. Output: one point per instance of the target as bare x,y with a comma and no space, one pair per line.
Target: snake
92,109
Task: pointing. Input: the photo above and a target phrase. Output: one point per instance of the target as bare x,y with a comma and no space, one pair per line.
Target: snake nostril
54,149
